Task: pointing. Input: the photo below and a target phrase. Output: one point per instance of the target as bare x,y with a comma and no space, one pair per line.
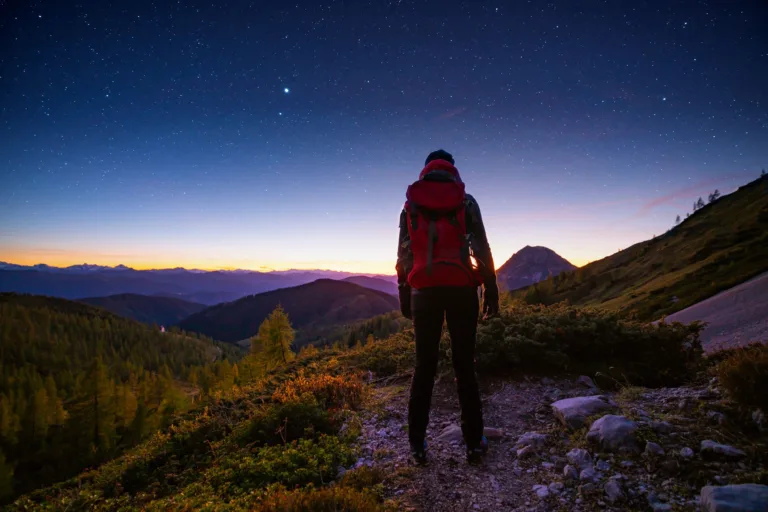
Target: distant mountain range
205,287
322,303
530,265
146,308
374,283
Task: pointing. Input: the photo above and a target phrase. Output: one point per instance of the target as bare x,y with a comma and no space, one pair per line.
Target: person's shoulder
471,201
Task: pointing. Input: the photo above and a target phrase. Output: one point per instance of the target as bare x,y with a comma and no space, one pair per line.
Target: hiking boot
419,452
475,453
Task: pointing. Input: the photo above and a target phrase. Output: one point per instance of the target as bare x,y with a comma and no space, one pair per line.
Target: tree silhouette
699,204
714,196
677,220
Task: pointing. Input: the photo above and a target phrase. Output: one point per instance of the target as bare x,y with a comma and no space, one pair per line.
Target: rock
662,427
556,487
586,488
548,466
716,417
660,507
580,458
735,498
559,463
586,381
340,471
542,491
547,381
653,449
686,404
613,491
686,453
451,433
758,417
573,412
493,433
713,450
533,439
603,465
614,433
588,474
570,473
524,453
627,464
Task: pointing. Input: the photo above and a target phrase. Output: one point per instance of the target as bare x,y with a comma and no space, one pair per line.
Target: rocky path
647,454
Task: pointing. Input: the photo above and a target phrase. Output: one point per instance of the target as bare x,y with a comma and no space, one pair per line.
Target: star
286,90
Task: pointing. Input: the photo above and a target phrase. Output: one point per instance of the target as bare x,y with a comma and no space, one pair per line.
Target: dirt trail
506,481
736,316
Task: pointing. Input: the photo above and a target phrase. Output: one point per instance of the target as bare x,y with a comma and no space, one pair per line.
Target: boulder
713,450
570,473
573,412
614,434
653,449
542,491
733,498
613,491
586,382
686,453
451,433
580,458
493,433
533,439
662,427
588,474
526,452
717,417
556,487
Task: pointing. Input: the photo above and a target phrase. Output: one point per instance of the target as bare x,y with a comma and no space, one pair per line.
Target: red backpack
437,227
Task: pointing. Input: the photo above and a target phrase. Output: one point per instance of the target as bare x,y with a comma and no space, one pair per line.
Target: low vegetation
743,372
720,245
275,440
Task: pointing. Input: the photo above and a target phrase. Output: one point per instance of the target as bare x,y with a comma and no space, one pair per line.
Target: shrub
744,375
395,354
559,338
285,422
329,499
330,391
299,463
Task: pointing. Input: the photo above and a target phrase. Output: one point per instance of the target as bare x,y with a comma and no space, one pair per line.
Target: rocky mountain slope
530,265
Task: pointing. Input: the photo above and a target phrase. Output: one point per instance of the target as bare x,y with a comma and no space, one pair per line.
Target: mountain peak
531,264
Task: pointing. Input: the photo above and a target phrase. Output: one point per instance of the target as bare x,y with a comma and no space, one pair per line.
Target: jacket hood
439,167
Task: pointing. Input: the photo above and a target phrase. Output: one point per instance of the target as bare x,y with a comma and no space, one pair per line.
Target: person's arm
481,250
404,265
478,242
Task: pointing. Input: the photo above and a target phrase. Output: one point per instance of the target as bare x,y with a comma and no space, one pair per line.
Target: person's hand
405,301
490,301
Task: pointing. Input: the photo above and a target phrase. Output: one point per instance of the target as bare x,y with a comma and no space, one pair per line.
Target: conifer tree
274,339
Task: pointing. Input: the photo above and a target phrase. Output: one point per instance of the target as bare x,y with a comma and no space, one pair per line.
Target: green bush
299,463
284,423
744,375
536,338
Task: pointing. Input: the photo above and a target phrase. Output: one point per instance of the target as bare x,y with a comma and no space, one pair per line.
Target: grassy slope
312,306
723,244
146,308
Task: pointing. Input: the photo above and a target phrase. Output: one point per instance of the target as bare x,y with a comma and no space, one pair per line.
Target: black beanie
440,154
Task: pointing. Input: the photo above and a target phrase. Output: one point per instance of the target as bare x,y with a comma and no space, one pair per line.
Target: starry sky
274,135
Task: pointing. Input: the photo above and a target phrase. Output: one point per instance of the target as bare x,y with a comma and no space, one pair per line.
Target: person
443,256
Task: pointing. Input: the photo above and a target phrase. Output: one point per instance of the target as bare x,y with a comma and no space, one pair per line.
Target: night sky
284,134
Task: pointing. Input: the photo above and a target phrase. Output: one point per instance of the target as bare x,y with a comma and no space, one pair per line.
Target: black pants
460,307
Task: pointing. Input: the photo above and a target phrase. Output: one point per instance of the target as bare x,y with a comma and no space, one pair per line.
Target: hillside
204,287
374,283
79,384
719,246
319,304
530,265
146,308
327,431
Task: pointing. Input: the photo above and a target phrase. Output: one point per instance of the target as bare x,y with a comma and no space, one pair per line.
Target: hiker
441,233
